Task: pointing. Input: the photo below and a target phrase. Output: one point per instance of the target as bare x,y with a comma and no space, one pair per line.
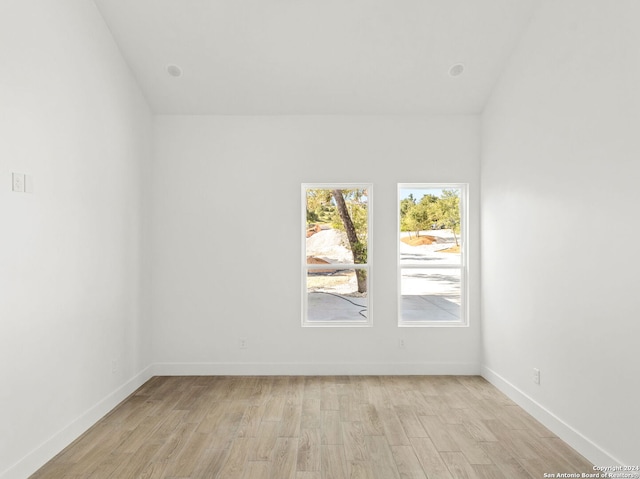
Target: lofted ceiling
272,57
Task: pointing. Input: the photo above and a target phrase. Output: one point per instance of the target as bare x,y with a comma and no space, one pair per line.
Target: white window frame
463,321
365,322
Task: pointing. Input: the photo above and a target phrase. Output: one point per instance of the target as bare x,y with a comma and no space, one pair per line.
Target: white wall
560,170
226,241
72,118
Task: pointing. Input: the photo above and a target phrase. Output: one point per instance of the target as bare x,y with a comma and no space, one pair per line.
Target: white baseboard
313,369
56,443
564,431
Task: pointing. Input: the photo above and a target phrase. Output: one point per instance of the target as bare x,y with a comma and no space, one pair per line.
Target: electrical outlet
401,343
243,343
536,375
18,182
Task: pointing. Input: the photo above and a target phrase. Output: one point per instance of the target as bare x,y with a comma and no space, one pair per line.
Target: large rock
330,245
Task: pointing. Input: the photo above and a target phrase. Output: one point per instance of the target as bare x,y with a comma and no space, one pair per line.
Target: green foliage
321,208
449,210
419,217
358,210
406,204
431,212
360,252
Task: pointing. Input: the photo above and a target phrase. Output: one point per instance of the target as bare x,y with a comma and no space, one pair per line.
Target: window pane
430,226
336,250
430,294
332,295
431,248
337,225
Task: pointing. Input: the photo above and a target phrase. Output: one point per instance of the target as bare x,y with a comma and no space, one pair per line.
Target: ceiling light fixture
174,70
456,70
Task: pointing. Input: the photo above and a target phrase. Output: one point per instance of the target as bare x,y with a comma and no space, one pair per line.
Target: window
336,250
432,246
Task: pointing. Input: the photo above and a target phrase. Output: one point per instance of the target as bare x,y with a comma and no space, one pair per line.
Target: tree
319,207
449,211
406,205
422,215
358,247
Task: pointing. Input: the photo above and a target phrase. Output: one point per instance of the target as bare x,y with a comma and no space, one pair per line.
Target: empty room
317,239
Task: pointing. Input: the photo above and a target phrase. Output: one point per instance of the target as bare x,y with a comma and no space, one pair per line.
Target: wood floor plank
410,423
237,459
188,457
308,475
349,407
360,427
212,460
291,417
437,431
309,450
530,423
250,422
490,471
96,436
311,414
577,461
478,429
487,409
330,427
334,464
329,398
459,400
467,444
438,404
397,389
86,463
52,470
508,464
377,395
257,470
431,461
284,458
358,391
371,420
392,428
139,436
536,467
458,465
175,443
213,419
106,467
383,463
407,462
274,408
421,404
355,447
542,449
136,462
360,470
265,441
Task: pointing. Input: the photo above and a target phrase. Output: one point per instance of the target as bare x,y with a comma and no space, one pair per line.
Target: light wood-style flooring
358,427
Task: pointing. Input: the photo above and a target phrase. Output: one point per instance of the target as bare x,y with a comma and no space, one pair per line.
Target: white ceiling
317,56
